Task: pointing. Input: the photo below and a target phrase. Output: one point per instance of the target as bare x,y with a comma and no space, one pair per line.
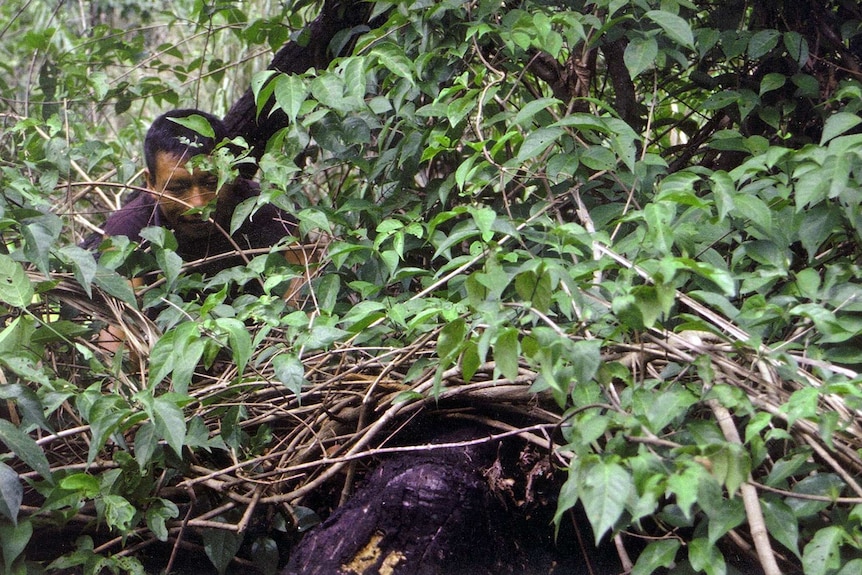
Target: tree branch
756,522
314,50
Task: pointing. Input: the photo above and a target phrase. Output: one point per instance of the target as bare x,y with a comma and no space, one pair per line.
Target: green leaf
393,58
586,358
537,142
531,108
640,54
781,523
674,26
25,399
262,88
661,553
451,339
221,546
265,555
851,568
290,372
239,340
823,552
797,47
706,557
170,423
25,448
157,516
470,360
84,483
535,288
15,286
604,489
13,541
118,512
507,353
762,43
322,336
187,351
11,493
838,124
161,360
40,237
731,465
145,444
290,93
772,81
684,486
83,265
196,123
667,406
115,285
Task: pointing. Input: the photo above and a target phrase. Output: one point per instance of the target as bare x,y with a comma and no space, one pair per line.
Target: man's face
177,190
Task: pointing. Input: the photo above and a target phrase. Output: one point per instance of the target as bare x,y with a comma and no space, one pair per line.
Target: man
178,198
189,201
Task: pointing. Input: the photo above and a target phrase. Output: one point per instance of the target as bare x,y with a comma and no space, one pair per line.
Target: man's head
167,149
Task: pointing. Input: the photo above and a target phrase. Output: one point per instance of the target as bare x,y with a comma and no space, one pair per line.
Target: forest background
627,230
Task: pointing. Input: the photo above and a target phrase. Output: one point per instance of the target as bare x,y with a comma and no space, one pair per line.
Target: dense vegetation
630,227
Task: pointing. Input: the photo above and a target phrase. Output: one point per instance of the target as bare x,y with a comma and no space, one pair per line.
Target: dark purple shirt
263,229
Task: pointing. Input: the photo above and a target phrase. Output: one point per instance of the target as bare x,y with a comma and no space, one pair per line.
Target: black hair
165,135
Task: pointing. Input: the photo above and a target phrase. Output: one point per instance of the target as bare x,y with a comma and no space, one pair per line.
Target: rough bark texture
483,510
416,514
347,17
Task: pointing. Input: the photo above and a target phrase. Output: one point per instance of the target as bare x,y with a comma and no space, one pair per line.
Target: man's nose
199,197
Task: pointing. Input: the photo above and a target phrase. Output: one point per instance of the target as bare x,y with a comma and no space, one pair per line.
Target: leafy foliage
643,216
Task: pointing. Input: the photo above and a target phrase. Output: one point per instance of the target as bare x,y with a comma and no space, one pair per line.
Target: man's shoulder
139,212
268,223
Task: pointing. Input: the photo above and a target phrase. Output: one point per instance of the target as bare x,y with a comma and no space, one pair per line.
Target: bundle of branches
267,439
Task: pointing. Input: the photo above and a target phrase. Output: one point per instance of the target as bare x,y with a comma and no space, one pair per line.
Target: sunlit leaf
170,423
15,286
640,54
290,372
675,27
823,553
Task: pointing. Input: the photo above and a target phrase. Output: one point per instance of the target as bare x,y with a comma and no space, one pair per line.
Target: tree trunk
416,514
338,20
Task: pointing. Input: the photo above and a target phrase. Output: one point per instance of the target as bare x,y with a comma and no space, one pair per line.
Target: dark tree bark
339,19
416,514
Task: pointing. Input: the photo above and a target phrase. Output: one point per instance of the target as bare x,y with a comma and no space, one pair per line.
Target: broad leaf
290,372
675,27
13,541
15,286
25,448
507,352
170,423
221,545
11,493
640,55
823,553
604,490
781,523
661,553
838,124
